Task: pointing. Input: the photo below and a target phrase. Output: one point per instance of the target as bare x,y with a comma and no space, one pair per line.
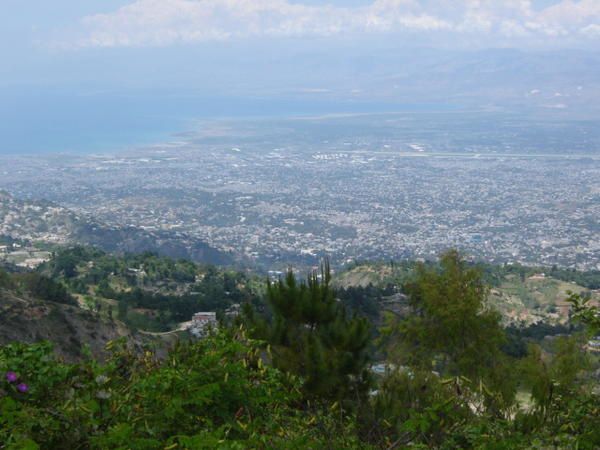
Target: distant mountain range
500,78
424,78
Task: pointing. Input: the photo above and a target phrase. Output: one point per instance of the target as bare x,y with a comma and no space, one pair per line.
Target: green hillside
147,291
34,308
297,368
523,295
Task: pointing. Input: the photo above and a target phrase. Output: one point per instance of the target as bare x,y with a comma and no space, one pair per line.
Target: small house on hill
202,322
538,276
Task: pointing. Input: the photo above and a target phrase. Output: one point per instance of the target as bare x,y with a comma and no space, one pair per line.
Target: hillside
41,221
523,295
294,370
69,327
535,299
83,295
147,291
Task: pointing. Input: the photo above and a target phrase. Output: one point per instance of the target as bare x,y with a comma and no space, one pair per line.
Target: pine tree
311,335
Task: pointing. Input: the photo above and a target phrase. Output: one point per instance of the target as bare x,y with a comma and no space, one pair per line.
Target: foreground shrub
215,393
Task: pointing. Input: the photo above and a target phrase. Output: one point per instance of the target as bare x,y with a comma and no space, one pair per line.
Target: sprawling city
356,188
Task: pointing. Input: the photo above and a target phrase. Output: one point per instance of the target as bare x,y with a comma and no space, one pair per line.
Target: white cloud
573,13
165,22
592,30
513,29
162,22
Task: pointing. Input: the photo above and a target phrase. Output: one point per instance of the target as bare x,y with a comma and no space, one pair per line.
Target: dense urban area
360,187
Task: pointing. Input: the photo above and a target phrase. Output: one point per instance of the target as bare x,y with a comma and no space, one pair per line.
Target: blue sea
41,120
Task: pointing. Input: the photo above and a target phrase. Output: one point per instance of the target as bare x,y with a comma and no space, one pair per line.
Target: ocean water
42,120
47,121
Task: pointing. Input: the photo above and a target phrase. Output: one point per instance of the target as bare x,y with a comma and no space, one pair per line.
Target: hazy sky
43,40
69,24
166,22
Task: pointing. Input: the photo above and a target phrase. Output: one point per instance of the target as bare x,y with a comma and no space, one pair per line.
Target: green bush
45,288
215,393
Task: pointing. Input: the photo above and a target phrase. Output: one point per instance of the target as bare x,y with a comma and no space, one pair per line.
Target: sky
65,58
42,41
147,23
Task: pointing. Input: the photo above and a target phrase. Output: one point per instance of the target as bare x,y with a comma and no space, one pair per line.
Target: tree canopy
310,334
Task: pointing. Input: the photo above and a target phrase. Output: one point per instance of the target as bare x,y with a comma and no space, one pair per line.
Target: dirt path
181,327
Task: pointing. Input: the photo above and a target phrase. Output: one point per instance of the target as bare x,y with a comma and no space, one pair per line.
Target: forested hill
85,297
300,366
105,296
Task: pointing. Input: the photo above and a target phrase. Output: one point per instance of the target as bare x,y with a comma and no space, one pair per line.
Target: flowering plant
13,378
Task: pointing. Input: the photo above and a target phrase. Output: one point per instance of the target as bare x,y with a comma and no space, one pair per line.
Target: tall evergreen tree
311,335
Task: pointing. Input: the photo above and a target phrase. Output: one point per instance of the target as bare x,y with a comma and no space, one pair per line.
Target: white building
202,322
